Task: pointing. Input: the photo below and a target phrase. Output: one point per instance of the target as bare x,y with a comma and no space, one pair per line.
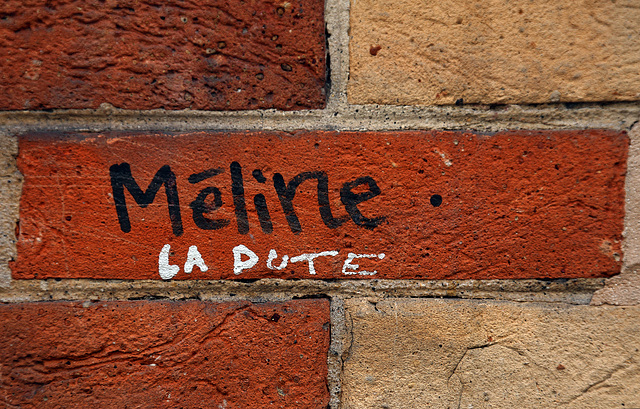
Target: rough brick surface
438,205
406,52
150,354
214,55
409,353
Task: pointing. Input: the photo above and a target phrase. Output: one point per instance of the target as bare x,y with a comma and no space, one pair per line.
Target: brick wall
353,205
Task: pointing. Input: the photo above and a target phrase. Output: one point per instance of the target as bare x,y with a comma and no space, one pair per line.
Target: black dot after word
436,200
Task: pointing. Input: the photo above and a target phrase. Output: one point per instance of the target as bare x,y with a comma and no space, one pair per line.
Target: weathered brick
493,52
440,205
408,353
220,55
158,354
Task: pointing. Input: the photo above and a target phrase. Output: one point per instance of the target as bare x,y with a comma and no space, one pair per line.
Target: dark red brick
145,54
455,205
159,354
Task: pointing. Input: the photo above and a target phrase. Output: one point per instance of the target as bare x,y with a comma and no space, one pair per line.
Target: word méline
121,178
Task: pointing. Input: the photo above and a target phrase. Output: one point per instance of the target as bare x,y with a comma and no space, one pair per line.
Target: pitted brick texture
151,354
220,55
438,205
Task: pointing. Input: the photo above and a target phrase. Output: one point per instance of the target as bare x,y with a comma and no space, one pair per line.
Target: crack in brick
595,385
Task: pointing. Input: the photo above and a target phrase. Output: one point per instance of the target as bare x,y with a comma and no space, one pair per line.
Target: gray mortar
616,116
10,190
336,14
573,291
339,333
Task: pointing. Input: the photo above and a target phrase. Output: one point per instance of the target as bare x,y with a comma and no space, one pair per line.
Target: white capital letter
166,270
351,256
310,256
272,256
238,264
194,258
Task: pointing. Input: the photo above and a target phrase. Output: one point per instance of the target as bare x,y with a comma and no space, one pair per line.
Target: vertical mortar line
629,242
337,27
395,344
339,332
337,24
10,193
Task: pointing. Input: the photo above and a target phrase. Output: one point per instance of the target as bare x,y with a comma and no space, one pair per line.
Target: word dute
194,259
202,206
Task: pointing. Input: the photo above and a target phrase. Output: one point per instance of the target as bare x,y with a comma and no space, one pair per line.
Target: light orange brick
493,52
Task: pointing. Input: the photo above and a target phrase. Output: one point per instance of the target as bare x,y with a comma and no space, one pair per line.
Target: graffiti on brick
209,199
244,258
122,178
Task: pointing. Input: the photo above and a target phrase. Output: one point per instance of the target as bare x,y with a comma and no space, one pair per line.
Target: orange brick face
214,55
165,354
426,205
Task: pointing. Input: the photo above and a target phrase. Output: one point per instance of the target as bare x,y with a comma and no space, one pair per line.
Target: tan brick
160,354
494,52
409,353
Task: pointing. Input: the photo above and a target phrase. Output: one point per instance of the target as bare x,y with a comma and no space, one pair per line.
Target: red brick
145,54
158,354
514,205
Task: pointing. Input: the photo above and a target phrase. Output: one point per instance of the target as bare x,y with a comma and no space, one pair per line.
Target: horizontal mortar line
353,117
576,291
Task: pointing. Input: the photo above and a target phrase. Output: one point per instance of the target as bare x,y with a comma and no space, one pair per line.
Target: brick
220,55
407,353
437,205
495,52
159,354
